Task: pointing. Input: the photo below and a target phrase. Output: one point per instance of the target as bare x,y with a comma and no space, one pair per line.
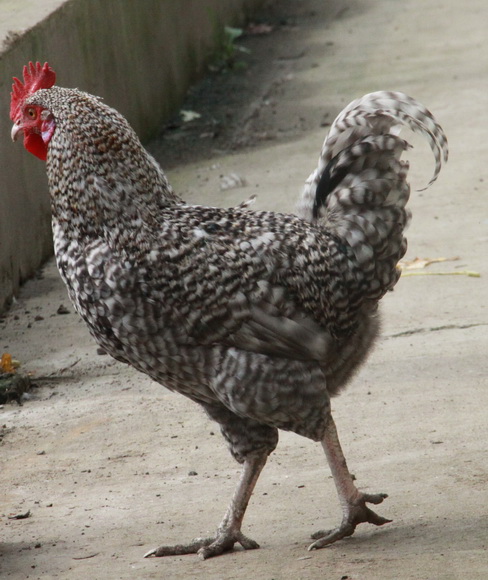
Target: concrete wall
140,56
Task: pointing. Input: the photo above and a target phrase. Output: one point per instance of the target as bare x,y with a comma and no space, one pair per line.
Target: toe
225,543
374,498
325,538
356,513
179,549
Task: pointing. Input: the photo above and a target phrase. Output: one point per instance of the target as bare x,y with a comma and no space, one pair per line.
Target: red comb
36,77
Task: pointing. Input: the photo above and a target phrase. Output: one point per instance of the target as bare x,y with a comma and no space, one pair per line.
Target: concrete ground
111,465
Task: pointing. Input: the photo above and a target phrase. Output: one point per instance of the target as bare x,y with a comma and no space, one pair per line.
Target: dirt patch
252,99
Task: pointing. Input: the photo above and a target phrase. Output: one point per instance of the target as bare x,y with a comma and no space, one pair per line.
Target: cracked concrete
435,329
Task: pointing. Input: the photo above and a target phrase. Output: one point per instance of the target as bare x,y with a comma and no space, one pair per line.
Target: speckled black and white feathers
257,314
100,177
359,190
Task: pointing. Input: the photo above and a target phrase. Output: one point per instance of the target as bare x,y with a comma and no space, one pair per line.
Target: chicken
259,317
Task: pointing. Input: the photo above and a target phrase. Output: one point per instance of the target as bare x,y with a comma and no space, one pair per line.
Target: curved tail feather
359,190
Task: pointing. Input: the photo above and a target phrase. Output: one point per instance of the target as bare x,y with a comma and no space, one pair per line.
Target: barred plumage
259,317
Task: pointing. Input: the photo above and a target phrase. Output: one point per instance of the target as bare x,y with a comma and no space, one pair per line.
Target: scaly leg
353,502
229,531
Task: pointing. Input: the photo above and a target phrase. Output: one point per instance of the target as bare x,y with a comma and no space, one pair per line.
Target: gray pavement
102,456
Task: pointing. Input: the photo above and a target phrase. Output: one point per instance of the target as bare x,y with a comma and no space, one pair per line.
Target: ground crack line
436,329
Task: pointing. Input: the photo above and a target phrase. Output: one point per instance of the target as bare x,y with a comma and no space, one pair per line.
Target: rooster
259,317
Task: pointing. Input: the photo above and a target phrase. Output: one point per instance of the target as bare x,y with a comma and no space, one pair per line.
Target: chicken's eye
31,112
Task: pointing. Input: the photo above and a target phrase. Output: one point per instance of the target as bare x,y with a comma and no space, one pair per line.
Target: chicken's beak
16,129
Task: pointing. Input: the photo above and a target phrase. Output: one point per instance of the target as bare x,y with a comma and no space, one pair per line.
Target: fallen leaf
469,273
247,202
7,364
188,116
423,262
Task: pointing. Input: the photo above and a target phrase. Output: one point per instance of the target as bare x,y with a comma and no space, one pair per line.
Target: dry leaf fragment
8,364
423,262
188,116
247,202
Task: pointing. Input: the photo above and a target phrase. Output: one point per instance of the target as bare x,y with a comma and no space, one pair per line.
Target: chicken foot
353,502
229,530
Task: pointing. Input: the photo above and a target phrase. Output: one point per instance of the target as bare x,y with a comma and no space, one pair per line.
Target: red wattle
34,143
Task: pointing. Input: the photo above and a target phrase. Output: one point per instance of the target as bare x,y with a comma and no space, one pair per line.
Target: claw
179,549
229,531
225,544
356,513
205,547
374,498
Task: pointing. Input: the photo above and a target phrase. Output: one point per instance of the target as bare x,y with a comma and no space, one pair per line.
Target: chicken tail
359,190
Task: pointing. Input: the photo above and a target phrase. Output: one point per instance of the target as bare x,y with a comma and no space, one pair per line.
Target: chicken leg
353,502
229,531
